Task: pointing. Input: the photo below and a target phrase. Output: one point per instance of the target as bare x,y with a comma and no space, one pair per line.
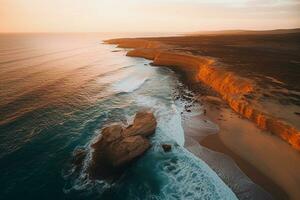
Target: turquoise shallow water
57,91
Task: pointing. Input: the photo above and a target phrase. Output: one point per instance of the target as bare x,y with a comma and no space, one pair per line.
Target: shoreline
233,89
278,181
215,143
259,186
246,145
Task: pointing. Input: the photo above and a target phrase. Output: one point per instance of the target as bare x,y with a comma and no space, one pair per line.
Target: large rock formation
118,146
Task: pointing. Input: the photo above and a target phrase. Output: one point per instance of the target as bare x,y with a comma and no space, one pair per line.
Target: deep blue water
57,91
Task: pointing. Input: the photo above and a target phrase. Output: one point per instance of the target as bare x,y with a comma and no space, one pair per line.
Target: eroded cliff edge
237,91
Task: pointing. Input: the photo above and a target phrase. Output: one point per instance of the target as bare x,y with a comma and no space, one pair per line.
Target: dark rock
117,146
78,157
166,147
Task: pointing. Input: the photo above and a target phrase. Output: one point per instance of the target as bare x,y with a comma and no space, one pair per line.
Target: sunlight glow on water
56,93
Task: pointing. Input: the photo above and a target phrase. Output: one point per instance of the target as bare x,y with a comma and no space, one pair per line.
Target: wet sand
215,143
266,159
202,139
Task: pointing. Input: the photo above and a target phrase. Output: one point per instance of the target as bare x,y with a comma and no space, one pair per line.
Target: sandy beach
225,118
256,153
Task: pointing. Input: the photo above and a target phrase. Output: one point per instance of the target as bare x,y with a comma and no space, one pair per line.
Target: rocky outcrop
118,146
78,158
166,147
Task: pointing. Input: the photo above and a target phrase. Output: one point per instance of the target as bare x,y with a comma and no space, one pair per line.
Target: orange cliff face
232,88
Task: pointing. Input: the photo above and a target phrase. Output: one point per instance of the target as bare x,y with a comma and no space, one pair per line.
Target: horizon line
108,32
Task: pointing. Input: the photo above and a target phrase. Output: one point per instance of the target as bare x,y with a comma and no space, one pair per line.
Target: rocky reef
118,146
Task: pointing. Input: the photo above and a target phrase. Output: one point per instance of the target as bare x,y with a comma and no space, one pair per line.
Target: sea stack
118,146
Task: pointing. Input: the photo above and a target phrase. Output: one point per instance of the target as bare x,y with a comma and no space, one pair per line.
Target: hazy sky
146,15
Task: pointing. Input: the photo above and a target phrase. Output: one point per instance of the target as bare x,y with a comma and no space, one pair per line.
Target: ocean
56,93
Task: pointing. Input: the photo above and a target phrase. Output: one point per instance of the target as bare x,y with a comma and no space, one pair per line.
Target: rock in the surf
118,146
166,147
78,158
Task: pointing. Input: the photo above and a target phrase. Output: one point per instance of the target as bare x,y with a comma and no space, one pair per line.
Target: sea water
56,93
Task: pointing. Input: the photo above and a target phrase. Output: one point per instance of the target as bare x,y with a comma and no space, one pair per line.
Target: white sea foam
128,79
179,173
172,127
169,118
130,84
193,179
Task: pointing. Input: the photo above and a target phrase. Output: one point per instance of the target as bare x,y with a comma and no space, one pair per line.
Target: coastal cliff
234,89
